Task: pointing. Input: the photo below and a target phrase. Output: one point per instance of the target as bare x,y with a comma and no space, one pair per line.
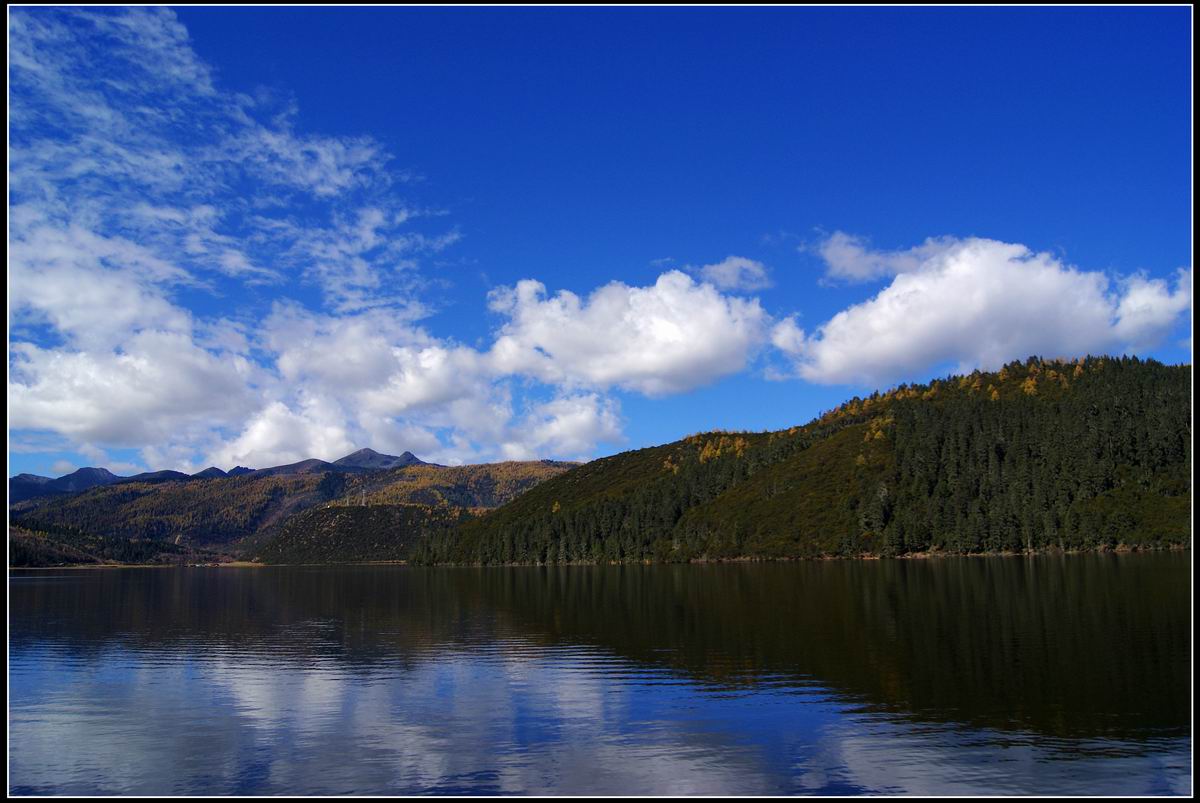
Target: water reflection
1057,675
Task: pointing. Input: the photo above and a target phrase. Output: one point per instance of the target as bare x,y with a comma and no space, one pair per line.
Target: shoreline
1120,549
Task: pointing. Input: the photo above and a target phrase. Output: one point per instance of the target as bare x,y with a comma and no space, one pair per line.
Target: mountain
84,478
213,508
387,515
361,461
239,514
310,466
1042,454
373,460
29,486
156,476
33,479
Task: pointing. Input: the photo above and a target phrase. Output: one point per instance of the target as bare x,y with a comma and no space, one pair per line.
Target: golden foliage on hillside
723,444
226,510
215,511
1026,378
482,486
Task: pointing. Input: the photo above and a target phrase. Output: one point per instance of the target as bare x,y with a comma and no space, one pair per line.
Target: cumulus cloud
348,377
1149,308
851,258
736,273
979,303
370,377
158,386
666,338
384,364
93,290
569,426
277,435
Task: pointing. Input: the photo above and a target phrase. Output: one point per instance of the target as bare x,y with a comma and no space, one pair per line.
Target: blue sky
255,235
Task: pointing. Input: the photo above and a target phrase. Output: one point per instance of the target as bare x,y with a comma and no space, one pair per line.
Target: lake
1055,674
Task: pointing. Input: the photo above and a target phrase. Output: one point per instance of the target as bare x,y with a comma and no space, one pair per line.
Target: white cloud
62,468
232,262
322,166
380,363
1149,308
278,435
568,427
979,303
736,273
788,336
159,386
666,338
850,258
369,378
118,130
94,290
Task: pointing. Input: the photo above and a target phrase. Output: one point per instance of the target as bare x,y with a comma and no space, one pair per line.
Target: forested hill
1042,454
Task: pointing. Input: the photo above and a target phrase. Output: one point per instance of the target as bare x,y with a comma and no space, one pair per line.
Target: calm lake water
988,675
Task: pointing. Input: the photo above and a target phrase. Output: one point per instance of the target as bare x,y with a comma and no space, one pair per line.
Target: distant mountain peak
156,476
84,478
27,486
369,458
364,452
89,471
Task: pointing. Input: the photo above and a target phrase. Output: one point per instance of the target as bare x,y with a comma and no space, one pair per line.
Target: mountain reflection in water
1065,674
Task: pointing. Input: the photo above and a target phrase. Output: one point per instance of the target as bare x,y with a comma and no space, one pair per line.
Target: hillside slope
65,546
387,515
357,534
240,514
1041,454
